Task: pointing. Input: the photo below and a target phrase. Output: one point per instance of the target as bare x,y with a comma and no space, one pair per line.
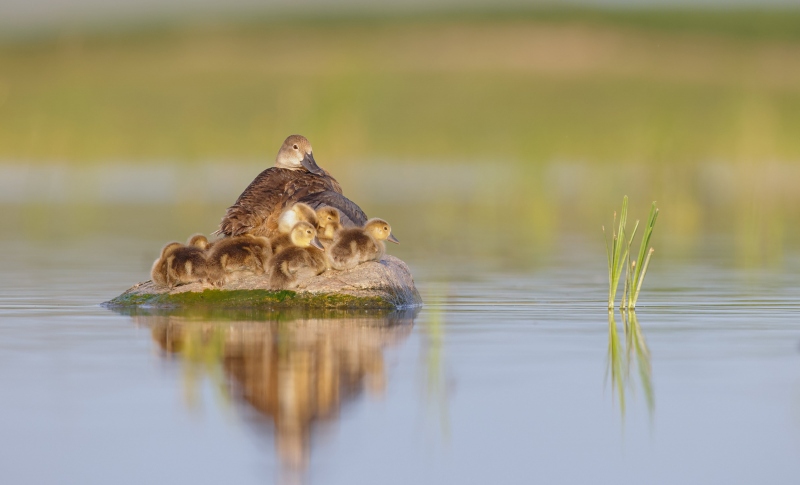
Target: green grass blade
641,277
648,232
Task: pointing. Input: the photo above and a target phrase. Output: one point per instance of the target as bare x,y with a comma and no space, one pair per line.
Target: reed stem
618,254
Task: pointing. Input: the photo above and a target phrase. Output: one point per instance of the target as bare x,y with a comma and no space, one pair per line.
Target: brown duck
296,177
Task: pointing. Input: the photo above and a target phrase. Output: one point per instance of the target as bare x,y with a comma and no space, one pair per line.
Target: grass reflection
436,384
624,356
294,369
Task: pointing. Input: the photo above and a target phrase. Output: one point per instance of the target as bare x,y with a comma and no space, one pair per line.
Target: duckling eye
295,147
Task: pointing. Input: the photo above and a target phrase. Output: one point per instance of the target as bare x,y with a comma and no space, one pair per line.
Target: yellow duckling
283,241
179,264
355,246
158,272
245,253
296,213
328,224
199,241
299,261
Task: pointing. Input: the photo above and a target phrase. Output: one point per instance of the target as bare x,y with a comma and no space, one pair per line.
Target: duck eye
294,146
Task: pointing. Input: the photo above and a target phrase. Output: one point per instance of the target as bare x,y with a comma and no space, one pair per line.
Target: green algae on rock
385,284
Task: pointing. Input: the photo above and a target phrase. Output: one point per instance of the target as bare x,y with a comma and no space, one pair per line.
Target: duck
303,259
199,241
295,175
158,273
296,213
358,245
179,264
283,241
328,224
238,254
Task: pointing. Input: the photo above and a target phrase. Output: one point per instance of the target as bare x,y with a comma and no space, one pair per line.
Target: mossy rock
385,284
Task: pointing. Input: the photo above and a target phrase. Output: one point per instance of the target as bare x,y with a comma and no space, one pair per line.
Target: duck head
296,154
380,230
304,235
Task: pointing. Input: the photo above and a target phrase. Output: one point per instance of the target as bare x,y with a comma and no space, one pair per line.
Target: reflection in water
293,369
437,386
622,360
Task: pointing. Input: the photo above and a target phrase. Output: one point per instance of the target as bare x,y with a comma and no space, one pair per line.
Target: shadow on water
628,357
297,370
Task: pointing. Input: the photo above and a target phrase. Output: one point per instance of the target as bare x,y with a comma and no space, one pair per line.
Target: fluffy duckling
199,241
299,261
296,213
244,253
355,246
179,264
301,229
328,225
158,272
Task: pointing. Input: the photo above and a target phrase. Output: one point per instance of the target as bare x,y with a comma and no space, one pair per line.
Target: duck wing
351,213
257,209
257,202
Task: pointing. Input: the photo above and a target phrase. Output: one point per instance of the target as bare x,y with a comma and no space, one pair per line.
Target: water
504,376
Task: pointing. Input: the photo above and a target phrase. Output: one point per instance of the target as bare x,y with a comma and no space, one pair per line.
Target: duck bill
315,242
393,239
311,165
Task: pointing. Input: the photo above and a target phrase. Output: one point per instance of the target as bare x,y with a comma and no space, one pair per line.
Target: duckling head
198,241
304,235
296,154
380,230
170,248
297,213
327,219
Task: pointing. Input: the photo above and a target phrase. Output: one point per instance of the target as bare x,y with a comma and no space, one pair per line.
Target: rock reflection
294,370
622,359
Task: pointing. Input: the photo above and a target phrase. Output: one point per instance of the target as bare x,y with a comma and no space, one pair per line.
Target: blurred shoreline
626,88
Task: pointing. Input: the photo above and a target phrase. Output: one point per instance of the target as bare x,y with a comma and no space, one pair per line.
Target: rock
378,284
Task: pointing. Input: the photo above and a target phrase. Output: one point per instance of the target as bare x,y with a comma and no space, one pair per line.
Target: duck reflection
623,359
295,370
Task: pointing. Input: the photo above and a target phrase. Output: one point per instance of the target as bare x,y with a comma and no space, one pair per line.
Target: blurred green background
474,131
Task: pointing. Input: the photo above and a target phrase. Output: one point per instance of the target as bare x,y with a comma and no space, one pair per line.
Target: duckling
296,213
284,241
199,241
328,224
295,175
158,272
244,253
355,246
186,264
299,261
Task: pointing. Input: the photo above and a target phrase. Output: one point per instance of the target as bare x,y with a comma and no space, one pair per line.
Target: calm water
509,374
